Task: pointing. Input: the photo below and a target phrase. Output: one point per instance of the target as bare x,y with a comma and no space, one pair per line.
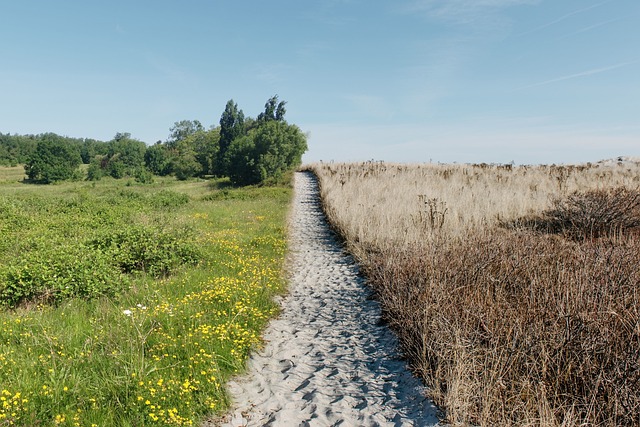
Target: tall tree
231,127
273,110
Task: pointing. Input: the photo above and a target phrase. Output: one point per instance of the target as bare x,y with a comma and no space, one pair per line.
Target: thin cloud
582,74
563,17
330,13
167,68
313,50
271,73
592,27
463,11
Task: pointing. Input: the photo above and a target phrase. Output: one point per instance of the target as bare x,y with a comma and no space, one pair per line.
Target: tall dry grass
515,291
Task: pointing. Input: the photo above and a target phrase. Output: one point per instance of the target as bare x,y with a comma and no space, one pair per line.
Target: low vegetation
128,304
513,290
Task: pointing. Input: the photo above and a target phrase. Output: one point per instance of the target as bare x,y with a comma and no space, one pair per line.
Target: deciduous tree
231,127
53,160
273,110
182,130
125,156
266,153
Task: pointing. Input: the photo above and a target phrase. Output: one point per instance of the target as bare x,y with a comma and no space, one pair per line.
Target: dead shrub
593,214
515,328
536,323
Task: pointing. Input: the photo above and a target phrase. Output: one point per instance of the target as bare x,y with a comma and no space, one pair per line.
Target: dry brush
514,291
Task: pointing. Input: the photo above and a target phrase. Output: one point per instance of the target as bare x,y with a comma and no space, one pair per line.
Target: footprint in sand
327,361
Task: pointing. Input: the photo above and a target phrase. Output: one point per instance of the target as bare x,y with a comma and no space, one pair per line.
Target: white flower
127,312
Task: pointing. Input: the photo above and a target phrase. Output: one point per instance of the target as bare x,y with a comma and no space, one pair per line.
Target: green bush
149,249
57,273
143,176
82,244
168,199
94,171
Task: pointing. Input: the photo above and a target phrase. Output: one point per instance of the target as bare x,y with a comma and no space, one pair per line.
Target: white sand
326,360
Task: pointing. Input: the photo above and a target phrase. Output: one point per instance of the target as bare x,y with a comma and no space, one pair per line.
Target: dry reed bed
515,298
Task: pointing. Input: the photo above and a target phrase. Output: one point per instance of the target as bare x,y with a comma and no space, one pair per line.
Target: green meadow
128,304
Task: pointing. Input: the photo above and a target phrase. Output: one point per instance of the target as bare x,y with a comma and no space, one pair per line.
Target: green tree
273,110
266,153
231,127
125,156
158,159
6,157
183,129
185,164
54,160
16,149
89,148
242,168
206,145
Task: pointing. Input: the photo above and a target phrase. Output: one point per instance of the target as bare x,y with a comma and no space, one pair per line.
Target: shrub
168,199
594,213
153,250
513,326
587,215
510,327
143,176
94,171
59,272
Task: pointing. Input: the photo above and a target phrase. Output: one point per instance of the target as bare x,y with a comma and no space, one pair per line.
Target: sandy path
326,361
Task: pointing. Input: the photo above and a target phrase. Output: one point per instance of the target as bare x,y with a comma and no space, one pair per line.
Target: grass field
11,174
514,291
128,305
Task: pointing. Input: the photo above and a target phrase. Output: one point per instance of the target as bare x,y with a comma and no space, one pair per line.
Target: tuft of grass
160,350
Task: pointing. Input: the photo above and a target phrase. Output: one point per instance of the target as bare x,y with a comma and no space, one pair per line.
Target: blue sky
530,81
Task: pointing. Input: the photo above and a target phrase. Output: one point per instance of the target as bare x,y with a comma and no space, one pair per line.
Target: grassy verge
185,280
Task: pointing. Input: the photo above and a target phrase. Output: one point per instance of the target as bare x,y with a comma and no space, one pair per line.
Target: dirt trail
326,360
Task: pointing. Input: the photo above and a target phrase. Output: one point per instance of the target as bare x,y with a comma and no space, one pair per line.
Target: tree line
247,150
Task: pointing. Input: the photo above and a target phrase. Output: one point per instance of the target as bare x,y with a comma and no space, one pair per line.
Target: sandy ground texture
327,360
